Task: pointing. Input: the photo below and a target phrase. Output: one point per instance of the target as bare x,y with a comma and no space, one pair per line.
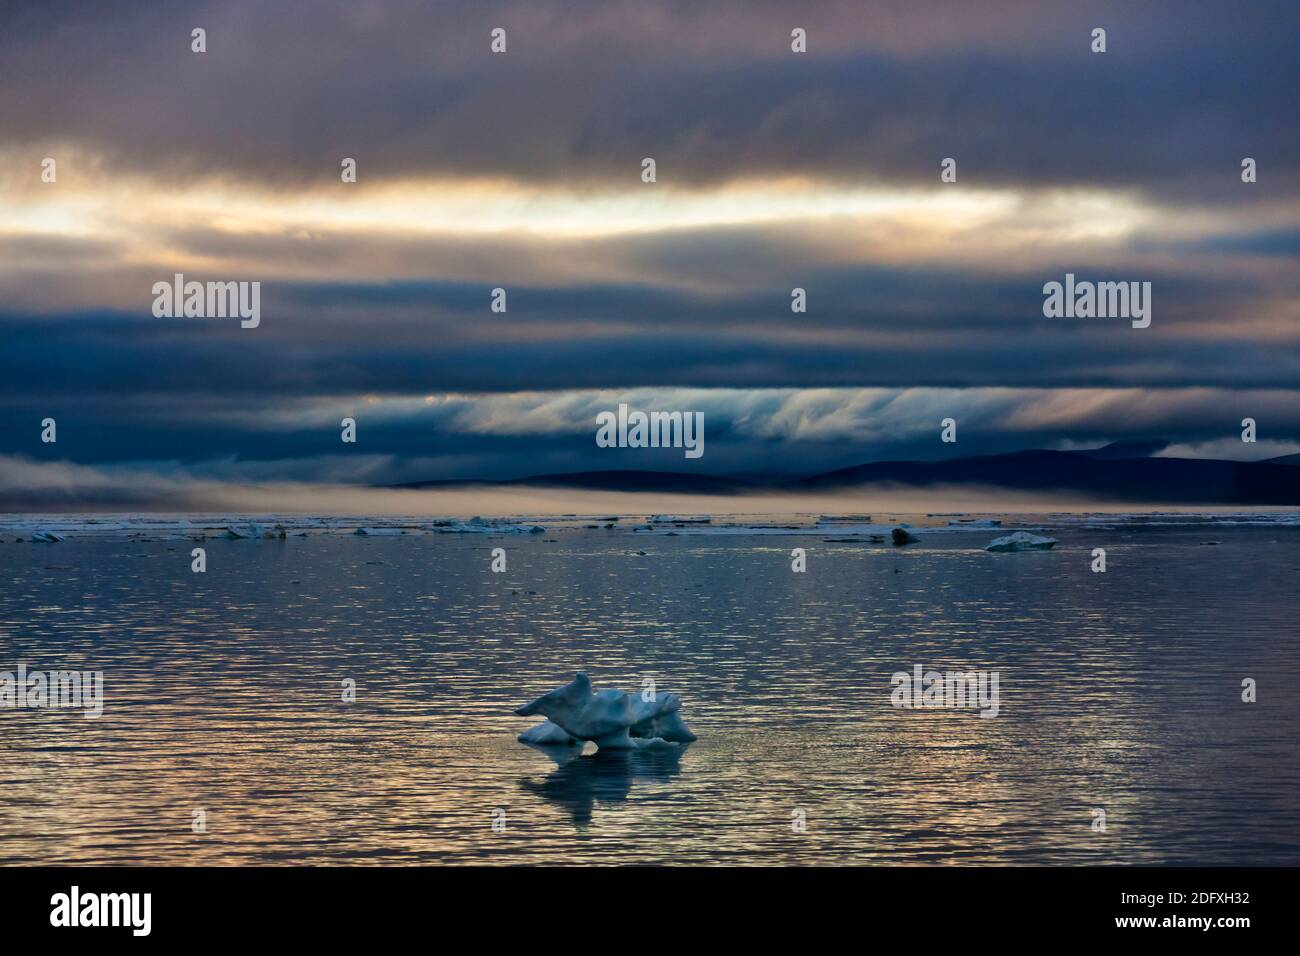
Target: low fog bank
492,501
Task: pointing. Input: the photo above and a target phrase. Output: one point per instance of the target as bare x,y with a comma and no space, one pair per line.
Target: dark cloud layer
388,320
710,90
866,326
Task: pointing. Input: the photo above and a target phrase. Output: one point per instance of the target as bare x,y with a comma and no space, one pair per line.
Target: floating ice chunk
46,537
903,536
1021,541
546,734
672,728
611,719
646,712
381,531
976,523
478,525
658,717
254,530
601,717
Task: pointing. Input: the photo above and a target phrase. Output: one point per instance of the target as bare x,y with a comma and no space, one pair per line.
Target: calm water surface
1119,691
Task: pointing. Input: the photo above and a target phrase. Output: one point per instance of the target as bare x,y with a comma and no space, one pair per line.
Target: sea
340,690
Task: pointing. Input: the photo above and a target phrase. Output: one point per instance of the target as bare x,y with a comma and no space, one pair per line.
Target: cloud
522,171
712,91
512,435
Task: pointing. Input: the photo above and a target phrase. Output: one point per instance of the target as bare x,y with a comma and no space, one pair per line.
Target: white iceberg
1021,541
46,537
609,718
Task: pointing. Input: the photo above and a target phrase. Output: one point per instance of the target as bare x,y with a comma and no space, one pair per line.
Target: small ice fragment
1021,541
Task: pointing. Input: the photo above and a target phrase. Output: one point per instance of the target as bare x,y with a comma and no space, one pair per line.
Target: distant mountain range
1122,471
654,481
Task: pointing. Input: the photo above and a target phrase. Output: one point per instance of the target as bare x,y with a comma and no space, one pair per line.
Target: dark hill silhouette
663,481
1119,450
1174,480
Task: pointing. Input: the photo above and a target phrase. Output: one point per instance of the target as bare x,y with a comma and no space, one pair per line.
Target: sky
522,170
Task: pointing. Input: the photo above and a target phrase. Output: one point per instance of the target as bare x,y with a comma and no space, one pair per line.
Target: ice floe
935,526
1021,541
254,530
611,719
478,525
